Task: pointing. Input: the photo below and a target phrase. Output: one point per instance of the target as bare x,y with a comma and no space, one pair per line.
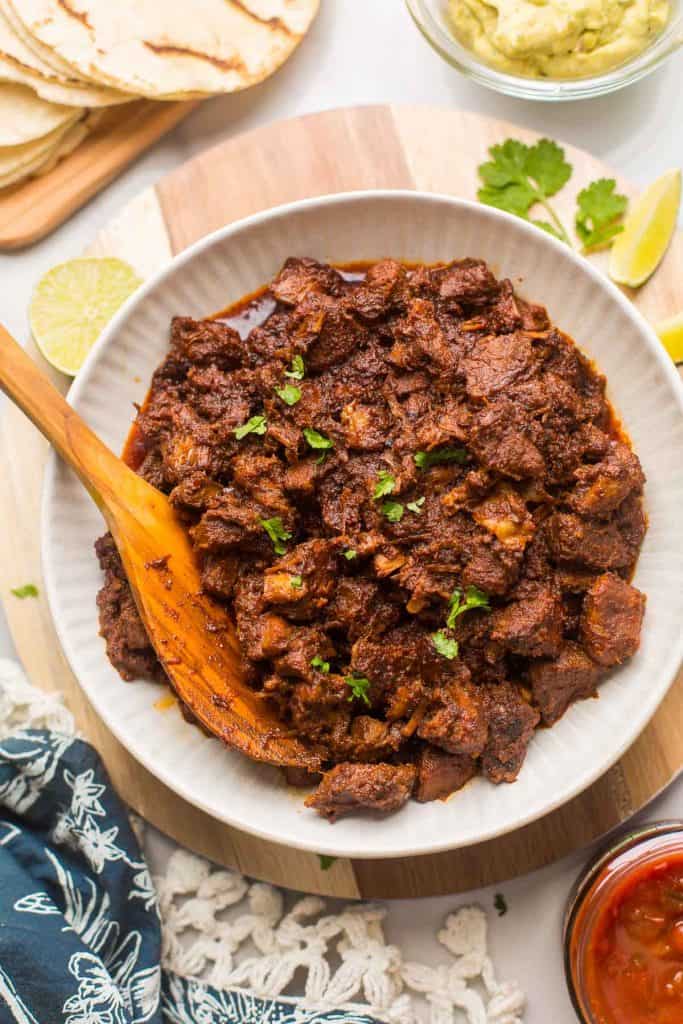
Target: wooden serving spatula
193,636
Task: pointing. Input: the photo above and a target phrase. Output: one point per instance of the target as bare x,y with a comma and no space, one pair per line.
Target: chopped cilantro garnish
385,485
393,510
326,862
289,394
28,590
350,554
255,425
276,532
296,582
298,370
316,440
474,598
500,904
320,664
445,645
423,460
359,688
416,506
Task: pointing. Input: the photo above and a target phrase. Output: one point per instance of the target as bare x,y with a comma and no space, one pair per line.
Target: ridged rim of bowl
651,697
546,90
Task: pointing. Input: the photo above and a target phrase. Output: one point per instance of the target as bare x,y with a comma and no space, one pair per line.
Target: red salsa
632,967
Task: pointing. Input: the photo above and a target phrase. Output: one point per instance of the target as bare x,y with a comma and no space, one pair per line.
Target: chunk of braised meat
497,361
301,778
611,620
369,739
531,624
381,289
592,543
556,683
359,607
456,718
206,343
349,788
439,774
468,283
298,277
302,582
128,646
511,722
422,342
500,439
261,634
602,486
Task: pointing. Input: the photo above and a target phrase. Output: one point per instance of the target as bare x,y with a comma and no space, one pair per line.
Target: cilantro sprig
321,665
423,460
599,212
317,441
359,686
519,178
385,485
459,603
445,645
254,425
277,533
289,394
298,370
393,511
28,590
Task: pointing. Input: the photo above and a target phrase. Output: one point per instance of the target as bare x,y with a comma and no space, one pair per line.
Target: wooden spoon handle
96,466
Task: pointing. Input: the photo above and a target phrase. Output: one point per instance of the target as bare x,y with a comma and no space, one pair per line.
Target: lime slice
671,336
647,232
73,303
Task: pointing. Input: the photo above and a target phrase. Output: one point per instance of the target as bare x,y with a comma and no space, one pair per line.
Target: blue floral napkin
80,936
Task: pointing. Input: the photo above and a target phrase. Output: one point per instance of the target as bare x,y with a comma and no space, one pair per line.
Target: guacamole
557,38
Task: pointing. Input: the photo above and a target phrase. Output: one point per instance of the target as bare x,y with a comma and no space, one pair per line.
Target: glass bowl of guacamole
552,49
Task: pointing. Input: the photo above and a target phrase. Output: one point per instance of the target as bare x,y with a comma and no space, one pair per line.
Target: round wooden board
360,148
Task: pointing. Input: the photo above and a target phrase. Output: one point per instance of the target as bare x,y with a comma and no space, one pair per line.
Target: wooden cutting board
371,147
34,208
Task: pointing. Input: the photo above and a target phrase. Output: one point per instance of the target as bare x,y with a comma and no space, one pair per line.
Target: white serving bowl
219,269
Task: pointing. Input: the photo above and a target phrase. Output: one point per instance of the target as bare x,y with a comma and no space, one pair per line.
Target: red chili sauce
633,964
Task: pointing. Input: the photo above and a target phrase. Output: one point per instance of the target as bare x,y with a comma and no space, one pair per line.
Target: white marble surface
368,51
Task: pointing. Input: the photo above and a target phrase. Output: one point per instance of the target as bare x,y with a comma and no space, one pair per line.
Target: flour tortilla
164,48
18,63
24,116
20,162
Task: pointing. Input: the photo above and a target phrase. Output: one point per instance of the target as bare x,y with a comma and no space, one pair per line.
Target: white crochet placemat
223,928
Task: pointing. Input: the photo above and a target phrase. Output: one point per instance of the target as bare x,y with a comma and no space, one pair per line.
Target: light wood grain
35,208
340,150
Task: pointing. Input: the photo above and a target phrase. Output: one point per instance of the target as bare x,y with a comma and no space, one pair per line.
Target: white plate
643,386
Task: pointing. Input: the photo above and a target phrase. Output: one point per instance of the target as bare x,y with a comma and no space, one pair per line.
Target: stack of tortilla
62,61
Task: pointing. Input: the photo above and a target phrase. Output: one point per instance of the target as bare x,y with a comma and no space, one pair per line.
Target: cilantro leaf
359,688
546,165
599,209
28,590
500,904
296,582
474,598
416,506
289,394
277,533
298,370
326,862
423,460
385,484
254,425
350,554
445,645
393,510
320,664
316,440
518,177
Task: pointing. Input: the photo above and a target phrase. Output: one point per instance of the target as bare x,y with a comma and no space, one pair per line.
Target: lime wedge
647,232
73,303
671,336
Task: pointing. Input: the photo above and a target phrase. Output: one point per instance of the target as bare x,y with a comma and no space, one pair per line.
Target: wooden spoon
192,636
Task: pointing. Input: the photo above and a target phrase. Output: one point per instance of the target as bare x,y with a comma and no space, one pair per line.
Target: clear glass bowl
430,16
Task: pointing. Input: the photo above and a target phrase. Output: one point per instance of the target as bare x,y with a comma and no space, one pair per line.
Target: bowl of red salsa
624,931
